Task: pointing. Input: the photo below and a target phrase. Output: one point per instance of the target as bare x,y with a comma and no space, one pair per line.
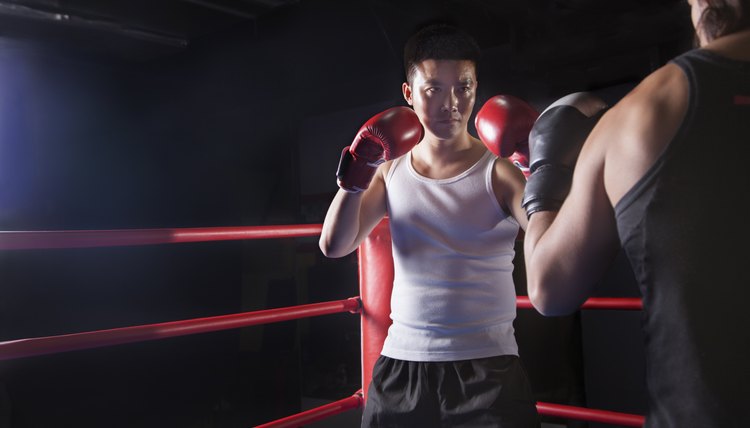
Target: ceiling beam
221,8
25,12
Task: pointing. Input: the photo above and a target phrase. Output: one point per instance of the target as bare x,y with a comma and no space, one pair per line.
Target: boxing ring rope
319,413
47,239
376,278
589,415
95,339
619,303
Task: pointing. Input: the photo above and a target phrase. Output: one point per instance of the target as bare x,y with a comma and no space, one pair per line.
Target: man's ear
406,90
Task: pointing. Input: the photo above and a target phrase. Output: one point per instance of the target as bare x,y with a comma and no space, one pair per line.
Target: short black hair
439,41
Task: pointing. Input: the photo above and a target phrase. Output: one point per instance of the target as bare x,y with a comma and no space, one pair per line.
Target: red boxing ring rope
589,415
376,249
621,303
95,339
319,413
26,240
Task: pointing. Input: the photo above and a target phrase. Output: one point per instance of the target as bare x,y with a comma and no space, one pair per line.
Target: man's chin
447,131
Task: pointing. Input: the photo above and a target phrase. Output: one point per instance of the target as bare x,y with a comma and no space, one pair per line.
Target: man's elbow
549,305
331,250
325,248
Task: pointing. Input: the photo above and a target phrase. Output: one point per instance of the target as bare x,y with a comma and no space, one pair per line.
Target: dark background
187,113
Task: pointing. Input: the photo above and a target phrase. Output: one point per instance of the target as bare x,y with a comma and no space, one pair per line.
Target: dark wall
243,128
209,137
80,151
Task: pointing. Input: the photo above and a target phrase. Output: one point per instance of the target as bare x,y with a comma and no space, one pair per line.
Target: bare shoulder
657,94
508,184
383,169
637,130
506,174
657,90
505,168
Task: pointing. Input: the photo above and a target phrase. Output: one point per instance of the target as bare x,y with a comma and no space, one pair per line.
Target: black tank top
686,232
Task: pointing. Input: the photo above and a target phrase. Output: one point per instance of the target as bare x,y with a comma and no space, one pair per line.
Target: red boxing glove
503,124
521,161
385,136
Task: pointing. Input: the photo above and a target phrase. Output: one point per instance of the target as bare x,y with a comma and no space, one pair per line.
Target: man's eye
430,90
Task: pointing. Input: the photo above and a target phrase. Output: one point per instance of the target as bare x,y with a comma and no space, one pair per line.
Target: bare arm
352,216
567,253
508,185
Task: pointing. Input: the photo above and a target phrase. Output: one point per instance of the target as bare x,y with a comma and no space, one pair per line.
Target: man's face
442,93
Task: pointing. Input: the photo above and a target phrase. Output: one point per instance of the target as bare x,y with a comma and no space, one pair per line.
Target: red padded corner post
375,285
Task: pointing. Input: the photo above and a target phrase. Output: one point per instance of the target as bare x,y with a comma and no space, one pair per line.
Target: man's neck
436,147
735,46
438,158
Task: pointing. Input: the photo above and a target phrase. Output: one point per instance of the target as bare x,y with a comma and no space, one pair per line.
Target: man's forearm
341,224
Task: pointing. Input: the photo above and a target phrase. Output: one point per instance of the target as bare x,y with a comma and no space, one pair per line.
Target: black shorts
485,392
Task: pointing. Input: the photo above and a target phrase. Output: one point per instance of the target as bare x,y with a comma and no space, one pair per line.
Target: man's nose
451,101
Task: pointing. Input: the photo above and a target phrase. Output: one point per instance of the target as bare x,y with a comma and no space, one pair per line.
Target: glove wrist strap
354,174
547,188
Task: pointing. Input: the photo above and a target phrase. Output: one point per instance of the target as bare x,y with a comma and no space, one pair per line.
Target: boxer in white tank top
450,358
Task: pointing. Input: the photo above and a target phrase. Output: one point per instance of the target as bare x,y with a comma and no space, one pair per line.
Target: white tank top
453,247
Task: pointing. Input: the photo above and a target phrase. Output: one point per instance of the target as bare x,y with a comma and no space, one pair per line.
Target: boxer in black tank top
648,179
693,279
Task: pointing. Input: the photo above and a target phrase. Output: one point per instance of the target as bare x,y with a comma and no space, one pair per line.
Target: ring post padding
375,285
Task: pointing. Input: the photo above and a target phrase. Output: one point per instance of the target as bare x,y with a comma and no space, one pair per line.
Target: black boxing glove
555,141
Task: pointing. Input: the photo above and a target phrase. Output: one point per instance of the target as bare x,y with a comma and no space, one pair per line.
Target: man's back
684,233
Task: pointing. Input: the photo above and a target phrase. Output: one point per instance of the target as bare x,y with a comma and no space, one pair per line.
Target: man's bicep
508,185
587,215
373,204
